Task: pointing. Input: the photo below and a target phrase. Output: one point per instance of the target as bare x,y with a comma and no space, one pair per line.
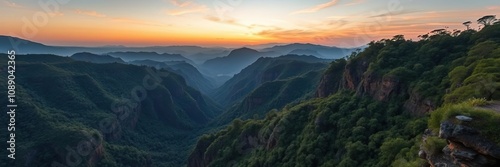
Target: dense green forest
74,113
269,83
368,109
373,106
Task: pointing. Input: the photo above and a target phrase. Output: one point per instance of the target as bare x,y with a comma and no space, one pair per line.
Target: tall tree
467,24
487,20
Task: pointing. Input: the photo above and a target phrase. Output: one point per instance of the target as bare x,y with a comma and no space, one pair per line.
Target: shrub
484,120
434,145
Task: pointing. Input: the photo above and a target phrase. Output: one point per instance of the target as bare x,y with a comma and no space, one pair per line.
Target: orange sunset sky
232,23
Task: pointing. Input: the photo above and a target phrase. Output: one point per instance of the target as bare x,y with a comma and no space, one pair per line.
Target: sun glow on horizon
345,23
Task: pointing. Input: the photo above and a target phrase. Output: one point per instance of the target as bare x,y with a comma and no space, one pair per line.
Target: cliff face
331,80
466,147
356,76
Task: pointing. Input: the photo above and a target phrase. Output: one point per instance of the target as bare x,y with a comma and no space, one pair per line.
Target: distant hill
263,46
132,56
93,58
273,95
304,58
262,71
22,46
397,103
128,123
234,62
196,53
193,77
201,57
305,52
327,52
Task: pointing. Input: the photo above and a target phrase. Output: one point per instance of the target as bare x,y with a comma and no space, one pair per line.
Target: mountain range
193,77
93,58
396,102
124,111
265,70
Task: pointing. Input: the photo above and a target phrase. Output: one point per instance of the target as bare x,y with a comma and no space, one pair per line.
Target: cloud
178,12
394,13
11,4
134,21
286,33
180,3
56,14
354,3
317,7
493,7
226,20
89,13
186,7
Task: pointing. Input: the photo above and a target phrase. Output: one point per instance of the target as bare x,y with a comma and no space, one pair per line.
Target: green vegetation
376,110
192,76
267,70
373,108
272,95
328,132
434,145
64,104
485,120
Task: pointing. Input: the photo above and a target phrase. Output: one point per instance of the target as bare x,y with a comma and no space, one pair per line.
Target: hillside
272,95
305,52
93,58
326,52
128,115
132,56
373,108
23,46
233,63
192,76
262,71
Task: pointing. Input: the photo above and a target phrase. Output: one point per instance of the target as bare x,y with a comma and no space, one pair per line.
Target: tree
441,31
456,32
487,20
467,24
398,38
425,36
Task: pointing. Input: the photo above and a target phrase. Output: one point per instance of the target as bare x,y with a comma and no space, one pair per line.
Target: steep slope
262,71
9,43
93,58
464,134
112,114
374,113
232,63
272,95
193,77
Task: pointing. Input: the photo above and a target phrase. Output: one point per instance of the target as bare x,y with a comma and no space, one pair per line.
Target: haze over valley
182,83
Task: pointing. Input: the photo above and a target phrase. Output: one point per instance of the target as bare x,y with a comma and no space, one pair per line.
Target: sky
232,23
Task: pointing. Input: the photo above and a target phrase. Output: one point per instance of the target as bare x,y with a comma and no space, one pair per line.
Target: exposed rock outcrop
418,105
466,148
356,76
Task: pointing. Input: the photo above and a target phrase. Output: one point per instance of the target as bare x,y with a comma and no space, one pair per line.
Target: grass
484,120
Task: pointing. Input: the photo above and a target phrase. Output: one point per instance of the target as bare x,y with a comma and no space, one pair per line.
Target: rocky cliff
357,75
465,148
466,144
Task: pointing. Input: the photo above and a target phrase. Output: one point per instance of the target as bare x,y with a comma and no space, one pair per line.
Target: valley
394,102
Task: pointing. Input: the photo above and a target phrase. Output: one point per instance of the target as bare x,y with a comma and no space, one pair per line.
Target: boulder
463,118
